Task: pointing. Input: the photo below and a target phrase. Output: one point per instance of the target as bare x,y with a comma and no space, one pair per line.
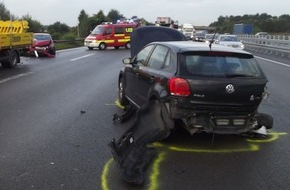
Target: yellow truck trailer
14,38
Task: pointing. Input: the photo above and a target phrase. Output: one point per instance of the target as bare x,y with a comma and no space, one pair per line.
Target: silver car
230,41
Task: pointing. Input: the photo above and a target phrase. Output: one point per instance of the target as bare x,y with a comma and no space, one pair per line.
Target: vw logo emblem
230,88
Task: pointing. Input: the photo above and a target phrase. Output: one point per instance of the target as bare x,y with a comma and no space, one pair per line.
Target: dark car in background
199,37
43,45
210,38
208,88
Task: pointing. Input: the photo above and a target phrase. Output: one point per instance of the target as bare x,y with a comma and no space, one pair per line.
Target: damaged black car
209,88
168,80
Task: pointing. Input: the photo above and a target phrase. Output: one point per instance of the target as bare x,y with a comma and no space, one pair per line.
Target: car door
109,36
149,74
132,73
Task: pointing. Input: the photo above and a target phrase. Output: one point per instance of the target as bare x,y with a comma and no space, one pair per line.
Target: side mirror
127,61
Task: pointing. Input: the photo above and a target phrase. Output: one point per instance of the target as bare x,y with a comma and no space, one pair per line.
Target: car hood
144,35
41,43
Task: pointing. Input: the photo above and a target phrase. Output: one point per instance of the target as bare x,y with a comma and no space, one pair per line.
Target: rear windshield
40,37
98,30
219,64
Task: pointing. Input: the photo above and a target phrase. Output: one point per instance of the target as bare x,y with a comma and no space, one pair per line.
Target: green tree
96,19
58,29
34,25
114,15
261,22
4,13
83,26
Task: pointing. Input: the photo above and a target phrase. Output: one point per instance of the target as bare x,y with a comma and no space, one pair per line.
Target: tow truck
14,38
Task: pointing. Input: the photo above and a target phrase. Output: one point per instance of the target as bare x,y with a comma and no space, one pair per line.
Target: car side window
119,30
157,59
108,31
169,64
142,56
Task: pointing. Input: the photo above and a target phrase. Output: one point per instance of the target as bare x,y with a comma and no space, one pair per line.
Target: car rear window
40,37
219,64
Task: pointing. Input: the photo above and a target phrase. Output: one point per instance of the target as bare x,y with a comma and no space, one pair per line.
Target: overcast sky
197,12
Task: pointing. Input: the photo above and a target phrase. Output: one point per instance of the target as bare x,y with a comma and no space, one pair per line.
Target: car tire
102,46
162,113
12,61
122,98
52,51
128,45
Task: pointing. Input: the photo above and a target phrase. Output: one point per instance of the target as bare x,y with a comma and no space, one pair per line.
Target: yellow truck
14,38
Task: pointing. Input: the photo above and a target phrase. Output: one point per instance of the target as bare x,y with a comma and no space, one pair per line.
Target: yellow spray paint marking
273,137
251,148
117,103
105,184
162,156
156,172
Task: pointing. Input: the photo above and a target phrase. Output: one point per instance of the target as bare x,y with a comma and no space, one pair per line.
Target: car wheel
128,45
52,51
122,98
102,46
90,48
162,117
12,60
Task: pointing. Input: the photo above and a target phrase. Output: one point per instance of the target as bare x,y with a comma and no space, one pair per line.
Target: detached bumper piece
130,151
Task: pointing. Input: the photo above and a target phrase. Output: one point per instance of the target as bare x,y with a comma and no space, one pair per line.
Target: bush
69,36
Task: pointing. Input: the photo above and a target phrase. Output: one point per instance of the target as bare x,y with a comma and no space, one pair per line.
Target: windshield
188,29
220,65
98,30
199,34
41,37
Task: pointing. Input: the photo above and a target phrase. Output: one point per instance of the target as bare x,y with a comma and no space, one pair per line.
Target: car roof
144,35
185,46
41,34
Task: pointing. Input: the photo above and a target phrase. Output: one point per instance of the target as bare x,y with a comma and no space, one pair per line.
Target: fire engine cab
110,35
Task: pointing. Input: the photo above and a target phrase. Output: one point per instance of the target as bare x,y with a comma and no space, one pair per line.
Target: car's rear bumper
218,121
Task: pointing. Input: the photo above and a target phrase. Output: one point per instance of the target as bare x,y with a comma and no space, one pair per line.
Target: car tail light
179,87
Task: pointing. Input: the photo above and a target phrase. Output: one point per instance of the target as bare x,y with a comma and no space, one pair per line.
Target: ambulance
110,35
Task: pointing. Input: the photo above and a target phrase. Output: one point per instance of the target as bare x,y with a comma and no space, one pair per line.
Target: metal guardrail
69,41
271,45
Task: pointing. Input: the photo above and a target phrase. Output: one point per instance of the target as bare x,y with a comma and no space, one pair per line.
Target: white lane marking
273,61
81,57
15,77
71,49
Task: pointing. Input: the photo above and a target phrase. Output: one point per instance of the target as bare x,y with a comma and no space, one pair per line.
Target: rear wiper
238,75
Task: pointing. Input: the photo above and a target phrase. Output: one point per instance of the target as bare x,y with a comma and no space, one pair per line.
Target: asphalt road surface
56,121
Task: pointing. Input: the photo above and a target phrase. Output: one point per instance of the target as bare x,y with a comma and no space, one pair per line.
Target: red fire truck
110,35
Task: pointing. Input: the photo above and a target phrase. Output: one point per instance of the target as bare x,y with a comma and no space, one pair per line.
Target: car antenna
211,41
